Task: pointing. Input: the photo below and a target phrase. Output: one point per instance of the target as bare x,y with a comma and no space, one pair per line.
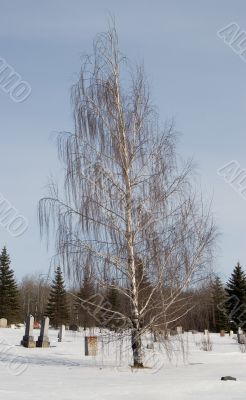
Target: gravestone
231,333
240,331
241,338
167,333
206,332
61,333
90,345
179,330
222,333
155,337
150,346
28,340
43,339
3,323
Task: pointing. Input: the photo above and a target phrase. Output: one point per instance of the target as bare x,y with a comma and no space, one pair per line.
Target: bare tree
34,291
126,198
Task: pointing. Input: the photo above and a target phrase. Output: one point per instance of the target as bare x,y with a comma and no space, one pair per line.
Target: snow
63,372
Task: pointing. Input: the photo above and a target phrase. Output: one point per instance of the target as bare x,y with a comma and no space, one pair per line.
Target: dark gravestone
28,339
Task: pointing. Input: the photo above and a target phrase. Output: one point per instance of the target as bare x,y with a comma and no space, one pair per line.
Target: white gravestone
43,339
179,330
61,333
3,323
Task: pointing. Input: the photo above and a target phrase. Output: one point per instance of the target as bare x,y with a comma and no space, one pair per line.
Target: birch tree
127,202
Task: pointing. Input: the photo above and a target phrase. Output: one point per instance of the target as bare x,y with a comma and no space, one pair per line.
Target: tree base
138,366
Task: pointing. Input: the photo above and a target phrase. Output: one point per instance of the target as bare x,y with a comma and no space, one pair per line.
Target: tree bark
137,348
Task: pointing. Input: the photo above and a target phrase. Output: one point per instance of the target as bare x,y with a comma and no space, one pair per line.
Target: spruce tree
83,310
9,294
144,290
219,298
113,300
236,303
57,307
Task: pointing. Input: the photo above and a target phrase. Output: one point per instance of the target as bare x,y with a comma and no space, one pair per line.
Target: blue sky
194,77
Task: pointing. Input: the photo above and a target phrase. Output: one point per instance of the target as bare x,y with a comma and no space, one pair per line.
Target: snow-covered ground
63,372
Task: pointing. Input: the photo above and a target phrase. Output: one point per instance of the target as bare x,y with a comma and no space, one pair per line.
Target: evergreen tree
219,298
83,310
9,294
236,303
144,290
113,299
57,308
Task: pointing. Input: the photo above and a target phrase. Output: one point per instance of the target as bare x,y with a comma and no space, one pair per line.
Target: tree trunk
129,235
137,348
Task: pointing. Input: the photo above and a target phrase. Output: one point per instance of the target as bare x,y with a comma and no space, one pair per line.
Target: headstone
222,333
241,338
61,333
231,333
3,323
28,340
43,339
74,327
167,334
90,345
240,331
179,330
150,346
206,332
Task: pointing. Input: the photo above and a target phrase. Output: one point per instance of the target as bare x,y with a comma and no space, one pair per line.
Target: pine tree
57,308
144,290
113,299
83,310
9,294
236,291
219,298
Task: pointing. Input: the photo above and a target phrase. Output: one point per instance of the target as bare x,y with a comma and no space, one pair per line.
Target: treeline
212,306
220,307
